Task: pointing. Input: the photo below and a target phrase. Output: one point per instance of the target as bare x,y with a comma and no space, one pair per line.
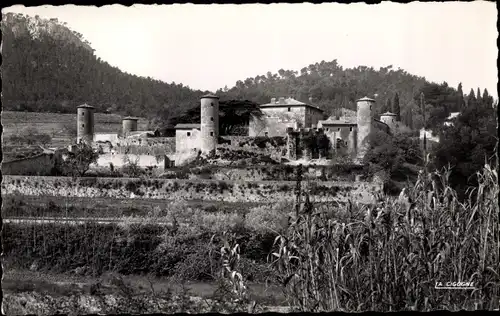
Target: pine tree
478,95
395,107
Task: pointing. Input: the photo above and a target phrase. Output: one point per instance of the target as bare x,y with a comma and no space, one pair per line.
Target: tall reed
389,256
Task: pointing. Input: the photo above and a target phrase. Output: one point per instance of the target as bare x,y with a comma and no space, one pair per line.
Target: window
211,133
212,119
211,104
350,129
188,134
83,125
83,113
289,109
338,129
327,129
266,133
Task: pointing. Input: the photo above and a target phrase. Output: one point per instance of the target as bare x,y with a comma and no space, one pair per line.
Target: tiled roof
187,126
366,99
212,96
130,118
85,105
388,114
288,102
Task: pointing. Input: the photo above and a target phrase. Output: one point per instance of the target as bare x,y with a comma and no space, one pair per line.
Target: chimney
282,100
273,100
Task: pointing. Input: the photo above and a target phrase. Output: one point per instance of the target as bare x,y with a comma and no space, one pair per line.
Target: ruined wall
40,165
275,121
312,117
257,191
346,133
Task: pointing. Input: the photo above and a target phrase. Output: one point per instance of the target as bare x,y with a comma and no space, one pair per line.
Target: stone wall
146,146
169,189
275,121
280,173
313,116
40,165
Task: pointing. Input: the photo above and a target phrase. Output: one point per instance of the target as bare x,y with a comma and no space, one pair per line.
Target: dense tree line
49,73
469,142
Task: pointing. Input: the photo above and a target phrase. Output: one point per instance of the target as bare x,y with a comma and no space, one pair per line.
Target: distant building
280,114
85,124
194,139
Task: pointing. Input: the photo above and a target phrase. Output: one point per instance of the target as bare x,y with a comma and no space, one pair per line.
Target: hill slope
49,68
331,87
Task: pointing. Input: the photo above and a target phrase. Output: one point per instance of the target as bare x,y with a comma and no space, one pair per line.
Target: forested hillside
331,87
49,68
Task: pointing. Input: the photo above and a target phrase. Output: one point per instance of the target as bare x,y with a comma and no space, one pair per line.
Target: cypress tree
388,106
471,99
460,98
395,107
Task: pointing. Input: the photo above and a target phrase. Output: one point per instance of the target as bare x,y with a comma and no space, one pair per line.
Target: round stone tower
209,127
364,119
85,124
129,124
390,119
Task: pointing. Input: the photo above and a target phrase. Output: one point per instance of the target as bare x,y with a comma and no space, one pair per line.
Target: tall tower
390,119
209,123
129,124
85,124
364,119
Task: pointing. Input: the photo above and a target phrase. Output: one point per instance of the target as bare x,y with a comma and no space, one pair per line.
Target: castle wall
187,140
275,121
40,165
346,133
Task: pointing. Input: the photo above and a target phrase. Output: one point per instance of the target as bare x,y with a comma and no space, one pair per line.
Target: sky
208,47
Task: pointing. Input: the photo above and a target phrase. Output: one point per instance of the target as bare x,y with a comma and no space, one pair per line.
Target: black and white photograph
250,158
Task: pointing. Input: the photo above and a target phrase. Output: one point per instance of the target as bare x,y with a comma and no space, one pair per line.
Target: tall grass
389,257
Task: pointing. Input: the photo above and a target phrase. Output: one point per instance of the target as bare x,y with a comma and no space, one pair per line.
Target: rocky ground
29,292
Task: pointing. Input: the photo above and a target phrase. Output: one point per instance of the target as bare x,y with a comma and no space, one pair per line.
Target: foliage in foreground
389,258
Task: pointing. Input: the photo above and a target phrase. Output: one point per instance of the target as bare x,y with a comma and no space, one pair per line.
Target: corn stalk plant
389,256
231,281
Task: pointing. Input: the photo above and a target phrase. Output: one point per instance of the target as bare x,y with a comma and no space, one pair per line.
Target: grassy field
60,206
54,124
